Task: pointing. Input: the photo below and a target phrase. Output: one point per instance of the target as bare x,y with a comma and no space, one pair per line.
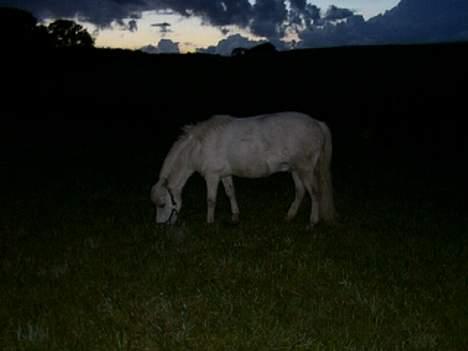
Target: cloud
336,13
101,13
164,27
303,14
409,21
225,46
164,46
422,21
132,26
267,18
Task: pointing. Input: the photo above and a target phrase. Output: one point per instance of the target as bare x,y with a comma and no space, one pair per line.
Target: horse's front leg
211,190
231,194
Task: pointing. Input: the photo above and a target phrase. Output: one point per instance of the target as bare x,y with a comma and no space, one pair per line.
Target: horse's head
166,205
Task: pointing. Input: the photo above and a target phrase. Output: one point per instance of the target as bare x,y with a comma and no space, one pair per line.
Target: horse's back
288,119
276,128
264,144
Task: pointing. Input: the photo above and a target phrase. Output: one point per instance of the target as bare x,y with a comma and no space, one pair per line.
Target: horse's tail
325,190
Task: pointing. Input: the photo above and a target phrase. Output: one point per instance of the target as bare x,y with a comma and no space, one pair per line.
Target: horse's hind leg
211,189
231,194
299,186
310,184
314,202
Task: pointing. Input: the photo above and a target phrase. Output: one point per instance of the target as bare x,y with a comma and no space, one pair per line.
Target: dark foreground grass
84,268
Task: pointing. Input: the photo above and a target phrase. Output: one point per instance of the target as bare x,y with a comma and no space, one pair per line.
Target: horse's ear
187,128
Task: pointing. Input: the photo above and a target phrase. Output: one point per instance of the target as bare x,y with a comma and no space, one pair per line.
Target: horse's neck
177,166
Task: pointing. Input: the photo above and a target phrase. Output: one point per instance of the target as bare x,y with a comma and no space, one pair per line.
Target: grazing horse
253,147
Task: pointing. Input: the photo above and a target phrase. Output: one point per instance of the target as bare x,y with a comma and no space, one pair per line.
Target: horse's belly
255,168
255,158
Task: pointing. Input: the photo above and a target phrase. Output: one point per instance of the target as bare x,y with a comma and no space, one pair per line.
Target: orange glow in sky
190,33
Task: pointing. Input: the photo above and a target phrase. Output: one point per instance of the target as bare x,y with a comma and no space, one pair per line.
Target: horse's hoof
235,218
289,218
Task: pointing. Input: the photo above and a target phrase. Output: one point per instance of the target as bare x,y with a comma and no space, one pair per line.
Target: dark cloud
304,13
298,4
409,21
215,12
164,27
350,32
422,21
269,18
336,13
132,25
101,13
224,30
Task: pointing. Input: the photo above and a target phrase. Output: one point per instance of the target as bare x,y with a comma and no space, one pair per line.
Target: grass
83,267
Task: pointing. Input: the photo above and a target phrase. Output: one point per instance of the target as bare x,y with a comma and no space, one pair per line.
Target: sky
218,26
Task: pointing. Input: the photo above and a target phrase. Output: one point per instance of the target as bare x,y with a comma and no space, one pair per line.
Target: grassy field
83,267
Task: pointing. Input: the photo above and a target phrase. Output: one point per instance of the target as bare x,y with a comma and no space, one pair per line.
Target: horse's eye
161,206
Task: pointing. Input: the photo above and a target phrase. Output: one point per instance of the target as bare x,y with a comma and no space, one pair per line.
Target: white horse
258,146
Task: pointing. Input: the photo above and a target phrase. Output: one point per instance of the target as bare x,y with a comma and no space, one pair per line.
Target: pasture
83,266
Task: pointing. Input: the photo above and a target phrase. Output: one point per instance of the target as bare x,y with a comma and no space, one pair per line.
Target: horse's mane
191,133
201,129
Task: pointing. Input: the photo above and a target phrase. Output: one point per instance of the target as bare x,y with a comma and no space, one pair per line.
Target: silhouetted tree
264,48
42,38
65,33
261,49
238,52
17,28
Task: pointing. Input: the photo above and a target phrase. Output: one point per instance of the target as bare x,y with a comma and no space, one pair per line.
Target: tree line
20,30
